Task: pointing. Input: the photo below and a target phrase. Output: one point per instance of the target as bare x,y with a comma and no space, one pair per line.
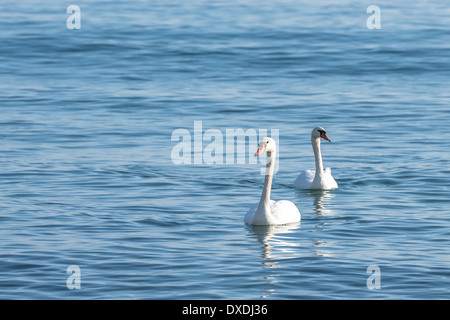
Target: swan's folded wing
285,212
304,179
329,180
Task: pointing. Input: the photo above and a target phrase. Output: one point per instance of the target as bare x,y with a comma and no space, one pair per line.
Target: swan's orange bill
261,148
324,136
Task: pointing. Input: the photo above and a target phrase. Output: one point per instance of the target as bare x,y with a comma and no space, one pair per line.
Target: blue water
87,177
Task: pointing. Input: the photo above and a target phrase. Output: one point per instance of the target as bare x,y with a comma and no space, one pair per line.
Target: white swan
319,178
269,212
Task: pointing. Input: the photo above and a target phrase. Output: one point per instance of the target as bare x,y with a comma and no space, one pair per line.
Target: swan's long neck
318,156
265,196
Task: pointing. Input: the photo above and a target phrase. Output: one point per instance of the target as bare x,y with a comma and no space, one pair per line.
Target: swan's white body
306,180
276,213
318,178
266,211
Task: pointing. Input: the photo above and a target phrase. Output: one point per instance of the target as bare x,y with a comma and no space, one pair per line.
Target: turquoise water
88,178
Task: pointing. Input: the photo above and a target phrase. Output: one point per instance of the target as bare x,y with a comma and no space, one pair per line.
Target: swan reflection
322,201
277,245
284,246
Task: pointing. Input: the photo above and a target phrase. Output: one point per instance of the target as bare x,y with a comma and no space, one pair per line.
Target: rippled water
87,176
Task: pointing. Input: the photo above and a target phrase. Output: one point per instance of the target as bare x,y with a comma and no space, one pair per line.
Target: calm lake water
87,174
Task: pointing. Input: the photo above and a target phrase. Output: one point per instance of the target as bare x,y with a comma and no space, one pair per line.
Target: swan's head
320,132
266,144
